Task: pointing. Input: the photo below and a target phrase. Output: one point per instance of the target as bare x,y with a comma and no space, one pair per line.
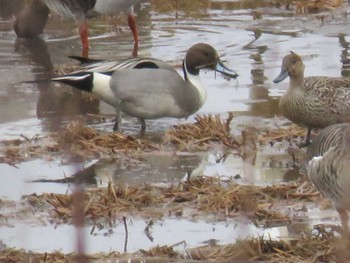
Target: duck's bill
281,76
220,67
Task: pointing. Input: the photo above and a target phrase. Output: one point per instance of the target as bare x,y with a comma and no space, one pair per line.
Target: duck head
201,56
292,66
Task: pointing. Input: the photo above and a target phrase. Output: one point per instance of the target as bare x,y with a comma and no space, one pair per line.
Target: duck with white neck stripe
154,90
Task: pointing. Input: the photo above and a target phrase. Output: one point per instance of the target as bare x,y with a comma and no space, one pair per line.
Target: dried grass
310,248
202,195
86,143
316,6
81,140
200,135
19,256
318,245
77,141
279,134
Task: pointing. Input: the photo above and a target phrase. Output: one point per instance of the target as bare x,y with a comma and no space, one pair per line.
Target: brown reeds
202,195
318,245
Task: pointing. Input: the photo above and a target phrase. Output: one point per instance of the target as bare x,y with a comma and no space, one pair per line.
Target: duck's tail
80,80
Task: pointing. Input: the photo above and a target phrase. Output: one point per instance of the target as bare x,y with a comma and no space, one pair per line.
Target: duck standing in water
313,102
149,88
80,11
329,168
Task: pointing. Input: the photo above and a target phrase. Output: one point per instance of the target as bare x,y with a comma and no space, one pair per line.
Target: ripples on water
251,36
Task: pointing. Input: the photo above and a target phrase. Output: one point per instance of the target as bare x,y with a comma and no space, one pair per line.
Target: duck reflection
31,20
54,103
344,57
263,104
148,168
10,7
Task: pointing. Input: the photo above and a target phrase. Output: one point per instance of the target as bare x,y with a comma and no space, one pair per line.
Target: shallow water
252,37
168,232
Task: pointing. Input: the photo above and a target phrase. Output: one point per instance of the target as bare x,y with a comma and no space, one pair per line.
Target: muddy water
251,36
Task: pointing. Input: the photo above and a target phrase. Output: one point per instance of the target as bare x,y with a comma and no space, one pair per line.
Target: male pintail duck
110,66
150,88
313,102
329,165
80,10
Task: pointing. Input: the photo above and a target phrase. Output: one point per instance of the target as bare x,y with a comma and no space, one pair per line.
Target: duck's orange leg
133,28
83,31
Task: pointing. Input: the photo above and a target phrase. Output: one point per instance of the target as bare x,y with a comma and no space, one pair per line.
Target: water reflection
261,103
10,7
345,57
254,39
251,34
31,20
146,168
256,166
54,103
101,239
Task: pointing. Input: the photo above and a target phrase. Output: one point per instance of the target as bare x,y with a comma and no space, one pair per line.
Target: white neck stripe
196,82
73,77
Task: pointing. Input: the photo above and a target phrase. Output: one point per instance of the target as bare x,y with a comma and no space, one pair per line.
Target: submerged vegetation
318,245
264,206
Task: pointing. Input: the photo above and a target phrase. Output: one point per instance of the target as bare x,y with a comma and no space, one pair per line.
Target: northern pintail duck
329,166
110,66
80,10
313,102
150,88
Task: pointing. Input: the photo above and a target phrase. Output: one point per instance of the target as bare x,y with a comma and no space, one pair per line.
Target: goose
150,88
312,102
329,167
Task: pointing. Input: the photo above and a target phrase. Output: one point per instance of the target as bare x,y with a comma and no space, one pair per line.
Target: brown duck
329,165
313,102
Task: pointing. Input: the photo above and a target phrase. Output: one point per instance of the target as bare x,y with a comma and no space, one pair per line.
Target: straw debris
311,248
19,256
80,142
76,140
317,245
202,195
280,133
316,6
197,136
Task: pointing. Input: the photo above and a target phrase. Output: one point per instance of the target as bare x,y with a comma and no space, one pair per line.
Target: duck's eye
206,54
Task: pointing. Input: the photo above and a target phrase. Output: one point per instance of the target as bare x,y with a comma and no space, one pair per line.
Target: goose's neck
195,82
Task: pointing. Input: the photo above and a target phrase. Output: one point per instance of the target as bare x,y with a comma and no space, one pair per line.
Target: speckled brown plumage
313,102
329,167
